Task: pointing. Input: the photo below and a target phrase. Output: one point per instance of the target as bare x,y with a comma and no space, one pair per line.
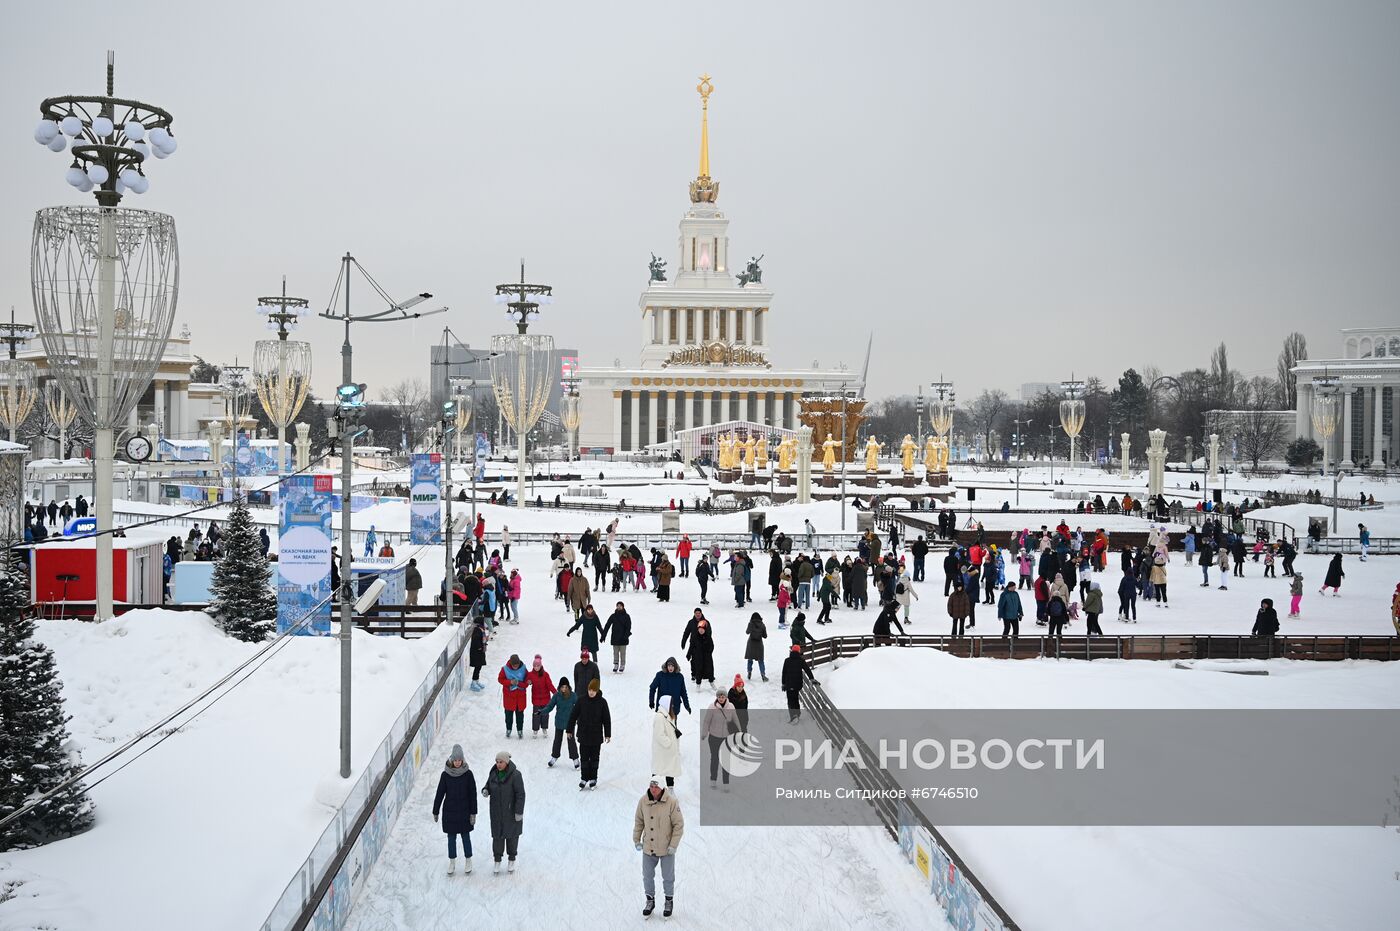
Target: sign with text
304,553
425,499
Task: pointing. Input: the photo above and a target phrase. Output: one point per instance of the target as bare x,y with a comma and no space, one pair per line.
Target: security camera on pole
105,279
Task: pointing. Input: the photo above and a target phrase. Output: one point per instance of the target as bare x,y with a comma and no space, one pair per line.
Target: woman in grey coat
505,787
757,632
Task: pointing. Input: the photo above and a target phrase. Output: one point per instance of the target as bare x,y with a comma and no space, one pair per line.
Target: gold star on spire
702,188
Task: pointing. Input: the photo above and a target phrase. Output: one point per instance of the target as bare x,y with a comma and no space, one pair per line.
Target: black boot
667,908
650,907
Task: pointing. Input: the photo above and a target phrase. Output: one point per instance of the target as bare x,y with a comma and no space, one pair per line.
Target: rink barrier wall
967,903
325,886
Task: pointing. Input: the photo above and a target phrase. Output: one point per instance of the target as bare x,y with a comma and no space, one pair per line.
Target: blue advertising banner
242,456
304,553
483,452
425,499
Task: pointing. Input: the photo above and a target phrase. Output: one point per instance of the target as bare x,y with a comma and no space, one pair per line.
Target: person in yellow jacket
657,827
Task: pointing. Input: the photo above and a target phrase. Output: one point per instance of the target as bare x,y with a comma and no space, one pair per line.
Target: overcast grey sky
1005,191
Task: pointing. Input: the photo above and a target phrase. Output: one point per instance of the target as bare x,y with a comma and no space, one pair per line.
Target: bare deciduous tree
985,413
1295,350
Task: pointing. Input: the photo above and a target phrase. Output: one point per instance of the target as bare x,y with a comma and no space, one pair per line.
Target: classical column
1344,459
762,407
616,438
636,421
159,413
658,411
1378,429
1304,410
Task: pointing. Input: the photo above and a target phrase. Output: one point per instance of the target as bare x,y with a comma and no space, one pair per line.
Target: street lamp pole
350,401
522,383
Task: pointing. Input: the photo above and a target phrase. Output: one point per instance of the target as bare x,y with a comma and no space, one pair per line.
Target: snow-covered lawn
205,830
1070,878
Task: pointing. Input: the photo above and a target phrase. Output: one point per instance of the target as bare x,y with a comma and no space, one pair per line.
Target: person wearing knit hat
717,724
505,787
541,690
585,671
794,668
739,699
591,721
513,688
456,802
657,828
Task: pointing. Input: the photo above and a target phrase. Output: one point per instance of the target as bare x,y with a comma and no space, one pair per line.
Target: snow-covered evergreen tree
243,602
33,726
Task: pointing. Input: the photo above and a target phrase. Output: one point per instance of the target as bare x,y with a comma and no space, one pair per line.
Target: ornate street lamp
940,414
569,416
282,367
105,279
18,378
522,366
1324,412
61,411
1072,413
233,382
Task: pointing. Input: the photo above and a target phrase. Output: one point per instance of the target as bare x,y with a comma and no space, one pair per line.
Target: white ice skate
510,866
451,866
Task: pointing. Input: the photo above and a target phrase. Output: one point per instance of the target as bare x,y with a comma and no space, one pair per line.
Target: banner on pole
304,553
425,499
483,452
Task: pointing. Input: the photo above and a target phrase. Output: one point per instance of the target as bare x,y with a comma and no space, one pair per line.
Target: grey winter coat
506,790
757,632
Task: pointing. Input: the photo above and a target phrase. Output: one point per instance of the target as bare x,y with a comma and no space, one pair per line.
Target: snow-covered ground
1070,878
205,830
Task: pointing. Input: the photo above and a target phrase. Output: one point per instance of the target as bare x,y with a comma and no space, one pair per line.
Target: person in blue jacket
562,704
669,681
456,803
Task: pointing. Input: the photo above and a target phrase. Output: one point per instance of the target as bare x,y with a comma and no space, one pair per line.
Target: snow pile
1165,878
206,829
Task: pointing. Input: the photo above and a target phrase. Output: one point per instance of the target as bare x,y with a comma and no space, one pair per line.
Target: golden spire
702,188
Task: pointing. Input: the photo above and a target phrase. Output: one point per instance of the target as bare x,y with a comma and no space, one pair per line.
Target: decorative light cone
462,421
61,411
570,419
18,392
941,419
522,375
1072,420
1324,421
282,376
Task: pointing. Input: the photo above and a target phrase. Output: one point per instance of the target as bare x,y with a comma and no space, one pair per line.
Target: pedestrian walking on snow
666,741
455,802
541,691
505,787
513,686
701,654
666,684
592,722
618,632
753,650
718,723
794,669
562,704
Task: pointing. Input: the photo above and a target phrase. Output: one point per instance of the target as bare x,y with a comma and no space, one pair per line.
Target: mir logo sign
742,754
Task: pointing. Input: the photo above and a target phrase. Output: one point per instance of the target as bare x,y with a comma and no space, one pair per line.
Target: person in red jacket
480,530
541,688
513,686
683,555
1042,598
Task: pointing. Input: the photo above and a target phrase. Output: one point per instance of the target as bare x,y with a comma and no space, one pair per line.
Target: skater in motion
1266,621
1333,579
666,741
456,803
794,668
513,686
562,704
657,827
505,787
592,722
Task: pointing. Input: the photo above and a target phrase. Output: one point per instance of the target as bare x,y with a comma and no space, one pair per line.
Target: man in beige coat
656,832
579,594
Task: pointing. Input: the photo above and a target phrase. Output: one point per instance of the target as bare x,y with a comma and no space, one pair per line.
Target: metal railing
298,902
1379,546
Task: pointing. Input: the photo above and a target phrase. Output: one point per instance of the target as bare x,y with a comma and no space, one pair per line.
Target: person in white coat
904,594
666,741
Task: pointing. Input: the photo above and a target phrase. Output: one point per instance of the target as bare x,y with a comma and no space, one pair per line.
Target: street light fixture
105,280
522,366
18,378
1072,413
282,367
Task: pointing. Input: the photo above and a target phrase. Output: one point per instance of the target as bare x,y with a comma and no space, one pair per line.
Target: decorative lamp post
522,366
105,279
18,378
1072,413
282,367
940,415
569,417
1324,413
61,411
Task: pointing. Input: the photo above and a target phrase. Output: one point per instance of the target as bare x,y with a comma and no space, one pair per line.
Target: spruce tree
243,602
33,726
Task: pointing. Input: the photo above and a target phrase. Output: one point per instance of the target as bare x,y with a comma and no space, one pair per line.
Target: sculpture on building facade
657,267
752,274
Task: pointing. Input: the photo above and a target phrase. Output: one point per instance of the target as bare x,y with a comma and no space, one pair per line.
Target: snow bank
1154,877
206,829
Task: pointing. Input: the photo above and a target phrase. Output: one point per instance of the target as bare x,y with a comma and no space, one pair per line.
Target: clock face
138,449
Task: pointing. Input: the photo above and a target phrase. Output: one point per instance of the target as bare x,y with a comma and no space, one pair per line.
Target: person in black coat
618,632
505,787
591,723
701,653
888,615
952,571
1266,621
476,652
794,668
456,802
1334,577
696,617
775,574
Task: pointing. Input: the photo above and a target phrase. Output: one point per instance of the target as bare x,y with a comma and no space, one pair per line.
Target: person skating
592,630
562,704
541,690
668,683
1333,579
586,670
794,668
717,724
701,654
889,615
578,594
1266,621
1009,610
1127,596
666,740
739,578
505,787
703,573
798,631
905,595
456,803
513,686
657,828
1158,575
757,632
618,631
1093,607
958,607
1295,588
739,698
591,721
476,653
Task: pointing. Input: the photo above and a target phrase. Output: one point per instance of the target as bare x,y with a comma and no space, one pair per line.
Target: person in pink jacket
514,589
